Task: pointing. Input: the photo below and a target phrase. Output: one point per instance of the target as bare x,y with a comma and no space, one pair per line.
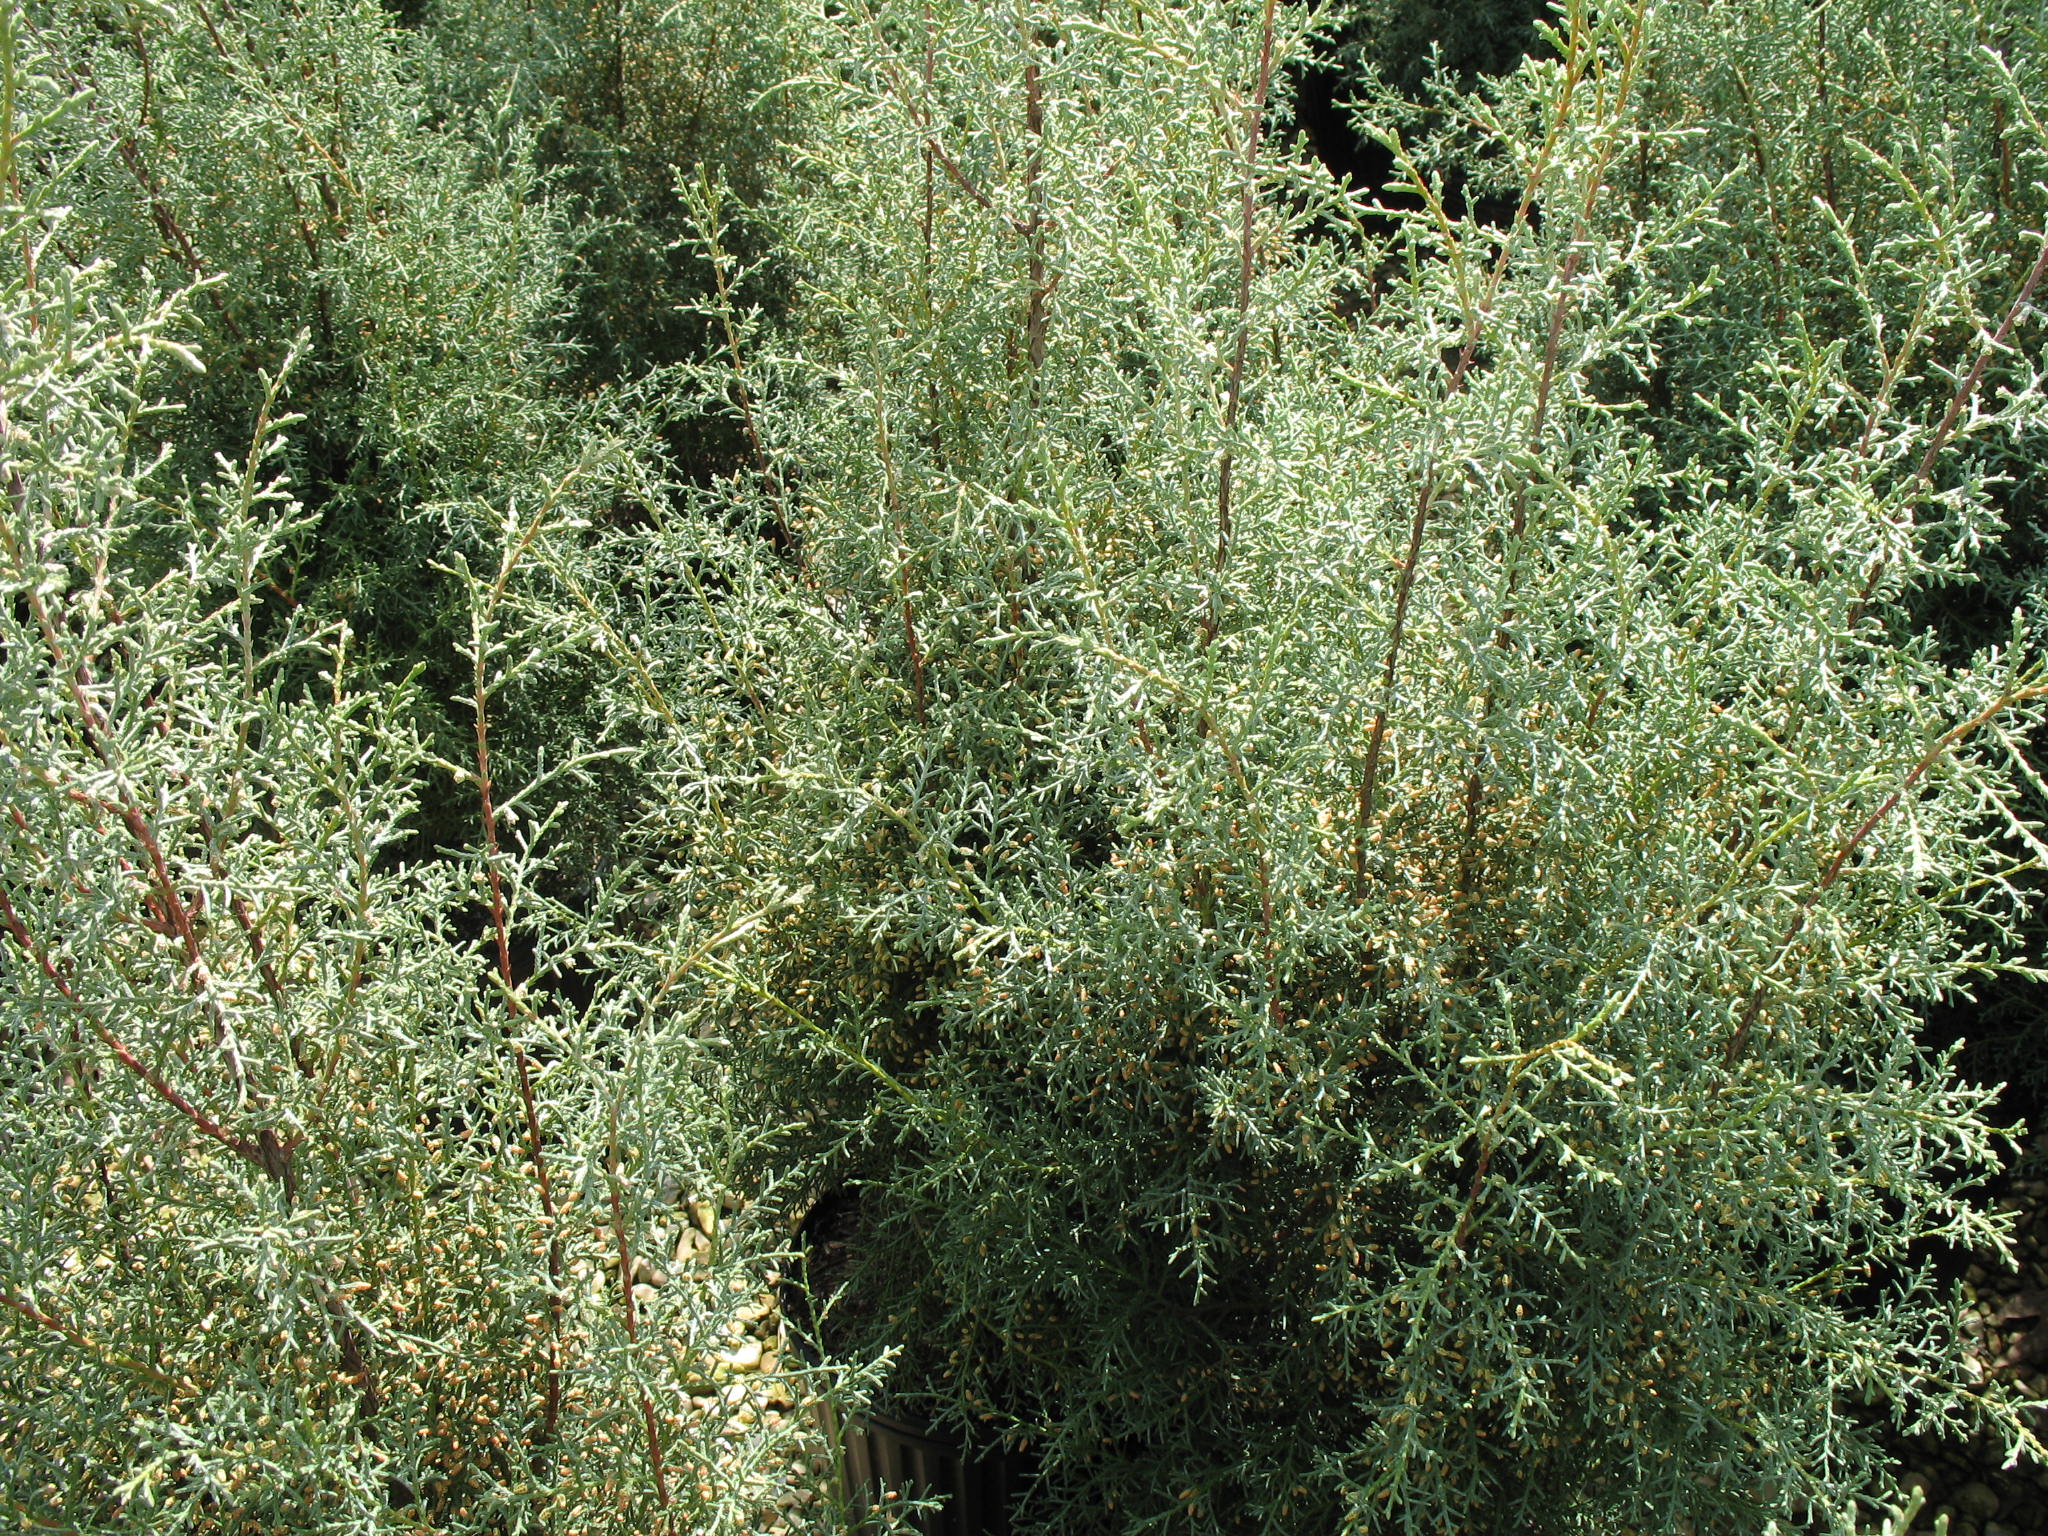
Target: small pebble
1976,1502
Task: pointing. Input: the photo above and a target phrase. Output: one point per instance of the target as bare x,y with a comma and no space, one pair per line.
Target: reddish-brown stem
268,1151
246,921
632,1321
274,1156
921,115
175,239
356,1366
174,914
1233,394
1475,788
1464,1229
501,934
252,935
1475,325
951,167
1475,322
1549,375
1965,392
212,31
64,1330
204,1123
1034,225
175,910
1368,783
917,699
167,224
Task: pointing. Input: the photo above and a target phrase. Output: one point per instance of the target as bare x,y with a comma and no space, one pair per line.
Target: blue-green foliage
1375,886
1341,813
348,1190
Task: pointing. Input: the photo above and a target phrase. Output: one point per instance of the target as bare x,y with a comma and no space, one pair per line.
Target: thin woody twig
502,942
23,1307
1475,323
1475,784
1255,122
1965,391
626,1301
1368,782
155,1081
1034,225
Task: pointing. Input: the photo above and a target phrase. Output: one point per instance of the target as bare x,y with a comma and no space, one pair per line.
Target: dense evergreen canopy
1340,798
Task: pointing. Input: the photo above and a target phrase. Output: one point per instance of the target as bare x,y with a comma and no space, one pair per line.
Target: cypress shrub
1365,892
347,1190
1339,815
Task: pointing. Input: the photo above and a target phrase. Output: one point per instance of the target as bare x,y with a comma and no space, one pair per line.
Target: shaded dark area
1397,44
889,1455
1405,41
1320,113
2002,1031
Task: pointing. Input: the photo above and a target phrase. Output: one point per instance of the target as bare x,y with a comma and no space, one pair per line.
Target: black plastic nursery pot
881,1459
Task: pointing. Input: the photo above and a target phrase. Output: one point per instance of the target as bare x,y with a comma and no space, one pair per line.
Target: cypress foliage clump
470,232
347,1189
296,163
1368,887
626,101
1339,814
